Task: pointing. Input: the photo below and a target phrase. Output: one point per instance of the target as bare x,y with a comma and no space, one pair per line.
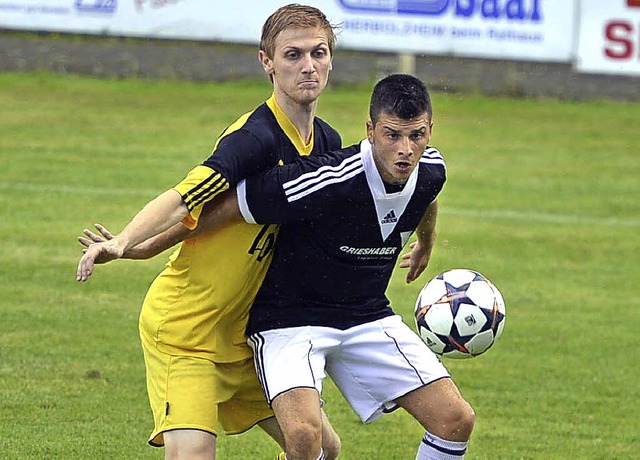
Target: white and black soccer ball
460,314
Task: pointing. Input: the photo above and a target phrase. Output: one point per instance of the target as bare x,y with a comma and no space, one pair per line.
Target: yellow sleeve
201,185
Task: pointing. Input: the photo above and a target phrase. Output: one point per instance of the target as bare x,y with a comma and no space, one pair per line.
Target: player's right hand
96,253
416,261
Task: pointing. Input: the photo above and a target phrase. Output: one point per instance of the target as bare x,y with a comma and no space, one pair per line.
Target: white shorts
372,364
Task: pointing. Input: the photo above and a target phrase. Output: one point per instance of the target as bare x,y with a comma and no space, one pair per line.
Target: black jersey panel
331,264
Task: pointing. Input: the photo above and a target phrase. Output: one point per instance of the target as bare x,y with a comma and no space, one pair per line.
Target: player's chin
309,95
401,178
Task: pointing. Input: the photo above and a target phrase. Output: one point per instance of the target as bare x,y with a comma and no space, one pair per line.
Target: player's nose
405,147
308,65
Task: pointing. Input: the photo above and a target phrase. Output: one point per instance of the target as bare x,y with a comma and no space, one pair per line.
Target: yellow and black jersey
200,302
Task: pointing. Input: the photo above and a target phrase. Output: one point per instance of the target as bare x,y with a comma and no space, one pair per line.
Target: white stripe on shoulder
318,172
323,184
431,152
326,175
432,156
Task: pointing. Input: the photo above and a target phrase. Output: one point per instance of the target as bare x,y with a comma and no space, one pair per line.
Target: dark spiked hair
403,96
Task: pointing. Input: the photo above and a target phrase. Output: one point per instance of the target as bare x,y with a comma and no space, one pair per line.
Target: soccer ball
460,314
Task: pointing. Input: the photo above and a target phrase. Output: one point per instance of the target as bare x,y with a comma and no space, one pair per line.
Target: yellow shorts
195,393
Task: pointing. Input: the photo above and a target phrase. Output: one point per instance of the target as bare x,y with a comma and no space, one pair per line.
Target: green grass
542,198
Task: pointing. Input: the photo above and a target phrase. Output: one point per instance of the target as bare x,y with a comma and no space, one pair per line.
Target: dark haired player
322,306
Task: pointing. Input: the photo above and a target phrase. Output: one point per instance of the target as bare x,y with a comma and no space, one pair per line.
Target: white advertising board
539,30
180,19
609,37
502,29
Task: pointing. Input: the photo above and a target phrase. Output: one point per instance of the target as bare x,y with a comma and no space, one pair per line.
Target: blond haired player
200,374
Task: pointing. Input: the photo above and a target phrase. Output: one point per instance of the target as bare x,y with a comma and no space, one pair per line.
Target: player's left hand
415,260
91,237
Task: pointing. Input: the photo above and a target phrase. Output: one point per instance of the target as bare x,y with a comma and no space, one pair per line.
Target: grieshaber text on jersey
369,251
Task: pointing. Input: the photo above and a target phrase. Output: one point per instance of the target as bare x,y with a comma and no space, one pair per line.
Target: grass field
542,197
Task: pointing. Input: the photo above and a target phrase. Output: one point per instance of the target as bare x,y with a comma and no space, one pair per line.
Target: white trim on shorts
372,364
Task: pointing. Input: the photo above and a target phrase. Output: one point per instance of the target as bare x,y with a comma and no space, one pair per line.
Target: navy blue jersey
342,236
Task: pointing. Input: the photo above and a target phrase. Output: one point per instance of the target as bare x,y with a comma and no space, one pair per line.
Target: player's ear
267,63
370,131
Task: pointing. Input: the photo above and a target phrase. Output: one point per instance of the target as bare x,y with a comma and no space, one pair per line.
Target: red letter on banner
619,33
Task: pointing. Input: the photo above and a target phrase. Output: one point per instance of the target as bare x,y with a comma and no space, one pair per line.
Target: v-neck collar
289,128
389,206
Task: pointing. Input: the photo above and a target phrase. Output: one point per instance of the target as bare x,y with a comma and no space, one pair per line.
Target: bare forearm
418,258
157,216
159,243
218,212
426,230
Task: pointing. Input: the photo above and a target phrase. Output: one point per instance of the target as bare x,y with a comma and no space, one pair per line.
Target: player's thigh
380,361
438,406
298,407
192,444
434,399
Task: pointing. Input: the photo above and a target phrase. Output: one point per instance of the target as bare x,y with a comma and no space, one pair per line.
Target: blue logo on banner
517,10
96,6
424,7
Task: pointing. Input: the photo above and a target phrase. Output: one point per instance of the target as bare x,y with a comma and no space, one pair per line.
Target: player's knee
461,421
304,437
454,422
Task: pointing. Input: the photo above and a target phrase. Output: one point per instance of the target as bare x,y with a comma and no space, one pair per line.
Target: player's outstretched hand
96,253
415,260
91,237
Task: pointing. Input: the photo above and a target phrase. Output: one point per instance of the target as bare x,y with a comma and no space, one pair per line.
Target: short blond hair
294,15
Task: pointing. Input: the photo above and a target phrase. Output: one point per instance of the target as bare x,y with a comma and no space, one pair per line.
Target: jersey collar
389,206
289,129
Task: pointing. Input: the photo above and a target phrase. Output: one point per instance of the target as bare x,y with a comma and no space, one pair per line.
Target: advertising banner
538,30
501,29
609,38
173,19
